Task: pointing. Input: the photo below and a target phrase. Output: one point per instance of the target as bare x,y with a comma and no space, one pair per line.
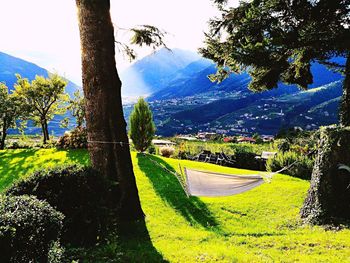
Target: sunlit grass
261,225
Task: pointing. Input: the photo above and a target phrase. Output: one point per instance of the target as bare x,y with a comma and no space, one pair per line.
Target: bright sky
46,31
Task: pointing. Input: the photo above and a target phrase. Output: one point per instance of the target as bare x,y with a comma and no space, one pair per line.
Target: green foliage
152,149
77,108
10,111
42,99
75,139
257,138
142,128
28,229
301,169
277,40
79,193
195,147
245,158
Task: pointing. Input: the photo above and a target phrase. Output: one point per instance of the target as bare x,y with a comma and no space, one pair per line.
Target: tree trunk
328,199
3,135
44,132
345,103
46,128
104,112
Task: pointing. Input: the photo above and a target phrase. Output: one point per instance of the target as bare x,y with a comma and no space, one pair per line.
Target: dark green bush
245,159
79,193
75,139
28,229
152,149
301,169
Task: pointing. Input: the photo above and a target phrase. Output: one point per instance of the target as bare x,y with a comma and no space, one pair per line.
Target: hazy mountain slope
153,72
199,83
10,65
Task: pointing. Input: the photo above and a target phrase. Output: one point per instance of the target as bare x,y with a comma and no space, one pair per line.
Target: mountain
198,83
10,65
186,101
153,72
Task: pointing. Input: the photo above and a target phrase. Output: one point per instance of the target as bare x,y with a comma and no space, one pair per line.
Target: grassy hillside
261,225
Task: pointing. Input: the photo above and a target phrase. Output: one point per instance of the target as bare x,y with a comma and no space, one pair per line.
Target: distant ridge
10,65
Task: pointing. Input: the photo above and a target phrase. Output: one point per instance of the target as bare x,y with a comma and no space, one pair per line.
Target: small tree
257,138
77,107
10,111
142,128
42,99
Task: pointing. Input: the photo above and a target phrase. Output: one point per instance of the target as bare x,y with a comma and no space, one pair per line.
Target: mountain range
184,100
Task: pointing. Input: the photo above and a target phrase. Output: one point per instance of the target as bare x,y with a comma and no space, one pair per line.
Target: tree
257,138
108,141
104,111
277,40
77,107
10,111
42,99
142,128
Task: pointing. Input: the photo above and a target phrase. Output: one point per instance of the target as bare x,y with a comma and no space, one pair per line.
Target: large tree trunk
104,112
328,199
345,103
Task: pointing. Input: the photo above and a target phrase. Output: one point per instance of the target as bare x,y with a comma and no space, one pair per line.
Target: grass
261,225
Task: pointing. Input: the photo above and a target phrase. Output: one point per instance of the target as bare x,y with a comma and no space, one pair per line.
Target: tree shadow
135,243
169,189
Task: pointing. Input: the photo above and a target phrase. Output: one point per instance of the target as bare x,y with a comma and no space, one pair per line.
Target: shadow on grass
135,243
169,189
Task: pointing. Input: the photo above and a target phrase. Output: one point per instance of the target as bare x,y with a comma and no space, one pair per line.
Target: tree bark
104,112
44,132
328,199
345,103
46,128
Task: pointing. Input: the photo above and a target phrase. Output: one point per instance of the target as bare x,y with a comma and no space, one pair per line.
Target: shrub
28,229
301,169
142,128
166,151
75,139
152,149
245,159
78,192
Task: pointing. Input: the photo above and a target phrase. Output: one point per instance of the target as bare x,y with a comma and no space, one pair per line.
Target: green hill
261,225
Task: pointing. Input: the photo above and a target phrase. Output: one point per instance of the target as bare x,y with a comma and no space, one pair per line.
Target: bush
28,229
78,192
301,169
166,151
75,139
152,149
245,159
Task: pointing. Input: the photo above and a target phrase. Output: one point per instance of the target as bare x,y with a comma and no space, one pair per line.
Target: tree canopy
10,111
42,99
277,39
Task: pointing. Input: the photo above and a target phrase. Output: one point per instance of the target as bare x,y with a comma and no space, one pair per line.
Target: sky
46,32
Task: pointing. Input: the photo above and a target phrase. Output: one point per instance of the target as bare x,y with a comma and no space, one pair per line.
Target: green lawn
261,225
